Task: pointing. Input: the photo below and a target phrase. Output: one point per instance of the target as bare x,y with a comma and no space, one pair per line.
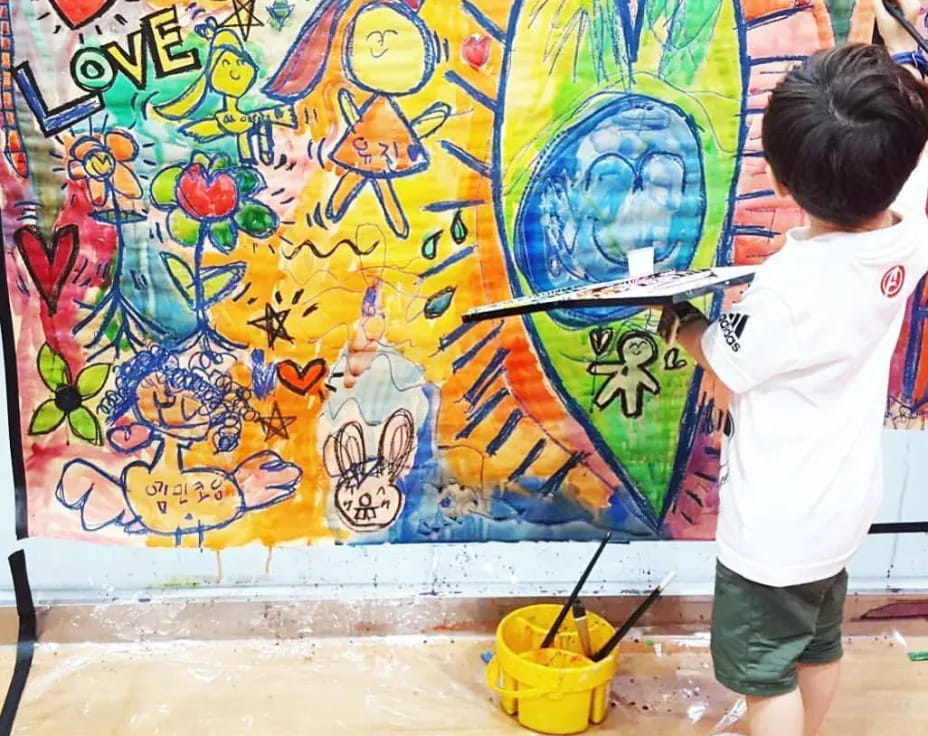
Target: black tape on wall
25,645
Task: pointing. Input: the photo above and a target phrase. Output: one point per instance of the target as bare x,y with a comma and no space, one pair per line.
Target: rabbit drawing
366,496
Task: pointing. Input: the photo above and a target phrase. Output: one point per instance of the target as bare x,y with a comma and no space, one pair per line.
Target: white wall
61,570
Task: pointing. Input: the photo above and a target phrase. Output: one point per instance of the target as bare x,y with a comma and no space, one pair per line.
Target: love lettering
94,69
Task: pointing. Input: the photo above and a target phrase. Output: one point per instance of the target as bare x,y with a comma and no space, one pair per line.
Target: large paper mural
239,237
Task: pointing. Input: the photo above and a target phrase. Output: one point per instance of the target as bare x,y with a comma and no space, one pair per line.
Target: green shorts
760,633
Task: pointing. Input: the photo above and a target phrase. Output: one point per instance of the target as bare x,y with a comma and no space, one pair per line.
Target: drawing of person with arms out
174,409
388,52
230,72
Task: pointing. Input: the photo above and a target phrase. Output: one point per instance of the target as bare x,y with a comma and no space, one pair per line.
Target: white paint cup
640,262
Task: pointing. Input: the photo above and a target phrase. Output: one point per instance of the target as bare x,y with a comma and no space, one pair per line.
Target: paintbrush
568,604
633,619
583,628
896,12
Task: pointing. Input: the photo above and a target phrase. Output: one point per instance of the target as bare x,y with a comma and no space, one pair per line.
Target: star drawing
243,17
273,323
276,424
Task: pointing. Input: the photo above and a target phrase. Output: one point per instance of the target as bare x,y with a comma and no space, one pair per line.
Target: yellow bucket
555,690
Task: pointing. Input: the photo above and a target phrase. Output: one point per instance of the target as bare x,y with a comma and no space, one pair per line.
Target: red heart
206,197
77,13
301,380
477,51
48,266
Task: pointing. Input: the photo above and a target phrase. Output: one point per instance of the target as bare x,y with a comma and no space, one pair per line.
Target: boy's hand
668,325
895,37
675,316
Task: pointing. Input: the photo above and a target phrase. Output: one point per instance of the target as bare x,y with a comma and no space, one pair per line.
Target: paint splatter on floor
411,685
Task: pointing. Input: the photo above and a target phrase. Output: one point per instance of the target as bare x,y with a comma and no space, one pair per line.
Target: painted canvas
239,236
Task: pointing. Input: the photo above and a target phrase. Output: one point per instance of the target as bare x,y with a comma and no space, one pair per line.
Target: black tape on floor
900,527
25,645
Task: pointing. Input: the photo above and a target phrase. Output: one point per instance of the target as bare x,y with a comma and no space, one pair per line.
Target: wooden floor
399,685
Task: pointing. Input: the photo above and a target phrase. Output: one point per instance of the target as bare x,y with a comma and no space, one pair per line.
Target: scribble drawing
389,52
638,157
240,236
176,407
102,163
209,200
48,264
68,397
366,496
230,72
280,12
78,13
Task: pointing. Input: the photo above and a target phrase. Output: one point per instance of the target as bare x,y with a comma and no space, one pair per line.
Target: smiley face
373,506
100,164
636,349
232,75
389,49
175,412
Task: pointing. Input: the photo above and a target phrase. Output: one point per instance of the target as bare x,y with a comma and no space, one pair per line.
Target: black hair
844,130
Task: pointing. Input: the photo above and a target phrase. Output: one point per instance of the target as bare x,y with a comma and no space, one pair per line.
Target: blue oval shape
627,176
438,303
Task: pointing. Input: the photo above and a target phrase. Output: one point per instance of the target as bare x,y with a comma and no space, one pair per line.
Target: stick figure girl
388,51
230,72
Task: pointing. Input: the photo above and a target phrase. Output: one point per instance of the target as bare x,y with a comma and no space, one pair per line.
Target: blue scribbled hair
223,399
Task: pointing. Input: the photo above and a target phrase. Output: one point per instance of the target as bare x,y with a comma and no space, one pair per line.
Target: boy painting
806,357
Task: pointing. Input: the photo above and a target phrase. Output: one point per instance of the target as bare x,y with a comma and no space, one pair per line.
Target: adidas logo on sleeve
733,325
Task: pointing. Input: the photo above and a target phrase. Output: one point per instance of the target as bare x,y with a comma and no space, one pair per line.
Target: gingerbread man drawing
628,378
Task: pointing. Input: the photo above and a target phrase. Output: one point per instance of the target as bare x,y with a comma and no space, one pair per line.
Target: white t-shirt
806,354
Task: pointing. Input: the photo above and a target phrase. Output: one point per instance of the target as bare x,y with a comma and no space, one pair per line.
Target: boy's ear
780,190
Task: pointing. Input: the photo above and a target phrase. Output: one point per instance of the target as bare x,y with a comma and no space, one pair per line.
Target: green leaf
223,235
164,187
220,163
53,369
430,245
201,158
249,180
46,418
85,425
181,275
92,379
458,228
184,229
220,281
256,219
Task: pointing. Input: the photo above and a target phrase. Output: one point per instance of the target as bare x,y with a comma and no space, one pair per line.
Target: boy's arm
748,345
685,325
690,338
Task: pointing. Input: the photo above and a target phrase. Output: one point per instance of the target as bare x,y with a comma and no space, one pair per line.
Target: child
806,357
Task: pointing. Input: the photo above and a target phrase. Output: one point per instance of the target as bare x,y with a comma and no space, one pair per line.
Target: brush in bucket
554,690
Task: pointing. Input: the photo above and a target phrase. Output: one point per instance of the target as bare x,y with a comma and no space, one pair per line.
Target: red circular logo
893,281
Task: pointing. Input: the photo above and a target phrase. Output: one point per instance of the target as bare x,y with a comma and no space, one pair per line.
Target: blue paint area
514,516
143,276
515,512
263,375
511,514
437,304
628,176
